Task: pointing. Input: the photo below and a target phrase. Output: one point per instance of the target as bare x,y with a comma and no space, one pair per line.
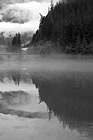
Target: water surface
45,99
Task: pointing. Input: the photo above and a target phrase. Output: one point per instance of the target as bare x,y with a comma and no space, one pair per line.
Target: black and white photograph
46,69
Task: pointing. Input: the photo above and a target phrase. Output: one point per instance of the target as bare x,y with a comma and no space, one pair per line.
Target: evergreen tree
84,46
16,42
19,39
65,22
78,45
90,48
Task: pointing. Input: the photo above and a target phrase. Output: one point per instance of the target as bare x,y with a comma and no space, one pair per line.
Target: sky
22,17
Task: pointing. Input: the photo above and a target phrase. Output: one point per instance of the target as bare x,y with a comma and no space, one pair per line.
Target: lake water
46,99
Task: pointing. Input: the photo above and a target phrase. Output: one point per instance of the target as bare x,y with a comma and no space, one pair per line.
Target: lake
46,98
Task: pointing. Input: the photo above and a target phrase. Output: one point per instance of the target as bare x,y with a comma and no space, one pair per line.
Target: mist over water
42,95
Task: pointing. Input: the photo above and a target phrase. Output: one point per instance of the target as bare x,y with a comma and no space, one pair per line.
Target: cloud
15,27
22,17
25,114
3,2
16,15
27,14
10,100
34,7
14,98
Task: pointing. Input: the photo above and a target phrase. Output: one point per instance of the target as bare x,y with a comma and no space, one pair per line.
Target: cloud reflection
9,100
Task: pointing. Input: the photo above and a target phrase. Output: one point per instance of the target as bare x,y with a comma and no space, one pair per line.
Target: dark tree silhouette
68,95
16,42
65,22
16,76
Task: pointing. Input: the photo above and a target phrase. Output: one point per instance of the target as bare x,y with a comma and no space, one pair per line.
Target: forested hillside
70,24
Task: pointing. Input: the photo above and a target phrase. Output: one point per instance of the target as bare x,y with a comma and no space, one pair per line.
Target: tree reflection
16,76
68,96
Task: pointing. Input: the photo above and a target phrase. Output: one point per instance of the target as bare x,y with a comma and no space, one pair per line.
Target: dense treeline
15,44
69,24
16,40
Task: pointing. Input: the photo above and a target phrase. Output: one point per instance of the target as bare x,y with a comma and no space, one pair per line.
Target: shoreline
38,48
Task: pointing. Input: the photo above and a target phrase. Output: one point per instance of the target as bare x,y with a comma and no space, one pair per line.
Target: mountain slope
70,25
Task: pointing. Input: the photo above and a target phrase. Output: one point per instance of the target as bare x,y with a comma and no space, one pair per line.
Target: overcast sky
22,17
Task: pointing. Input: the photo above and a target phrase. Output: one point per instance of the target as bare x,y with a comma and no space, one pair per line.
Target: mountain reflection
68,95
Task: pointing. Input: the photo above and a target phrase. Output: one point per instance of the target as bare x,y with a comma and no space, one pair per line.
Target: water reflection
66,95
18,95
70,97
16,75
